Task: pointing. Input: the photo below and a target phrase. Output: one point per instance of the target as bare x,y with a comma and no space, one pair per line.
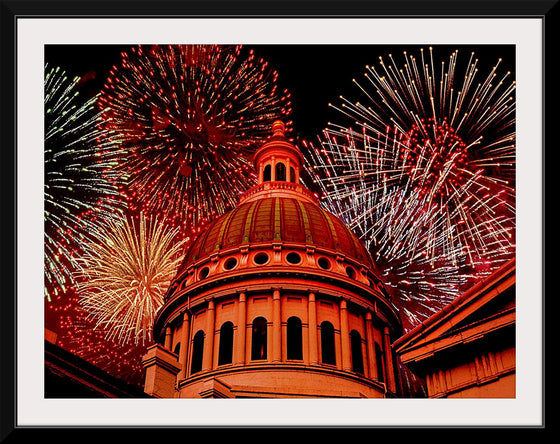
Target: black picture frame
12,11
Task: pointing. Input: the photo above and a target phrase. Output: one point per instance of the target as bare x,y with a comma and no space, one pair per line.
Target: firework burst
427,177
183,120
125,271
77,181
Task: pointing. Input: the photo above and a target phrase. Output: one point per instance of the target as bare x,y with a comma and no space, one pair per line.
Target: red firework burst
181,122
424,172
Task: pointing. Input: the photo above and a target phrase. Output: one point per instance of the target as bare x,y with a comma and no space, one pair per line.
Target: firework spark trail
183,121
125,272
488,104
77,181
423,171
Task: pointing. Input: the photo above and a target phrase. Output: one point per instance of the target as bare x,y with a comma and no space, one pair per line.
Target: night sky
314,74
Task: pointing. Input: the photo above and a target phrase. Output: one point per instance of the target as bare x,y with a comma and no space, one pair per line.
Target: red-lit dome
278,209
276,298
283,219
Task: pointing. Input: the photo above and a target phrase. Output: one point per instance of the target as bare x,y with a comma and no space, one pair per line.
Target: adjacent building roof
484,310
69,376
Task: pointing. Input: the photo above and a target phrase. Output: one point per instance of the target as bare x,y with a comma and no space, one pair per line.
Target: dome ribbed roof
277,219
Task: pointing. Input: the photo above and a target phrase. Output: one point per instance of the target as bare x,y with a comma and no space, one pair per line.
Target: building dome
278,210
278,219
275,298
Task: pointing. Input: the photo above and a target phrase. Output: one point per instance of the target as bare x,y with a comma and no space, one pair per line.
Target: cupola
278,160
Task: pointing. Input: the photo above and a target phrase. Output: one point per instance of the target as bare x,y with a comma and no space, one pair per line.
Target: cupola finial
278,128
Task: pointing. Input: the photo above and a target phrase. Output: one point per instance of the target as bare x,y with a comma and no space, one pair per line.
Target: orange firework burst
125,272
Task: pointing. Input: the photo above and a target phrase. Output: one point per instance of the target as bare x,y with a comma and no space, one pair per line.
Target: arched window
197,351
379,360
280,171
225,353
294,340
292,174
327,343
356,349
267,173
258,340
177,348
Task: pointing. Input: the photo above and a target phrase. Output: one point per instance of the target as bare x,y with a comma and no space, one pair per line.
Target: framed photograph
332,212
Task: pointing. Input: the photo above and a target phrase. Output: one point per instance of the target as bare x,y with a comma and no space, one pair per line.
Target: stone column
370,342
241,329
312,316
183,351
276,327
391,385
168,339
345,337
209,342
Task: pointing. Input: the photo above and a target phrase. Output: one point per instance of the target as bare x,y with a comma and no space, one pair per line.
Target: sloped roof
486,307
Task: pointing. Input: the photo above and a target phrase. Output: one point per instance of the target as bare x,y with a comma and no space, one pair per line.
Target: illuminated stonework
276,298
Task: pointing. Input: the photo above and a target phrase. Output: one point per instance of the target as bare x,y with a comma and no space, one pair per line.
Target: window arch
327,343
267,176
280,172
292,174
177,348
197,351
356,350
294,338
258,339
379,361
225,352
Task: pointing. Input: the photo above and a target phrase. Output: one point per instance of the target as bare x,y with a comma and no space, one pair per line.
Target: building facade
467,350
276,298
69,376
